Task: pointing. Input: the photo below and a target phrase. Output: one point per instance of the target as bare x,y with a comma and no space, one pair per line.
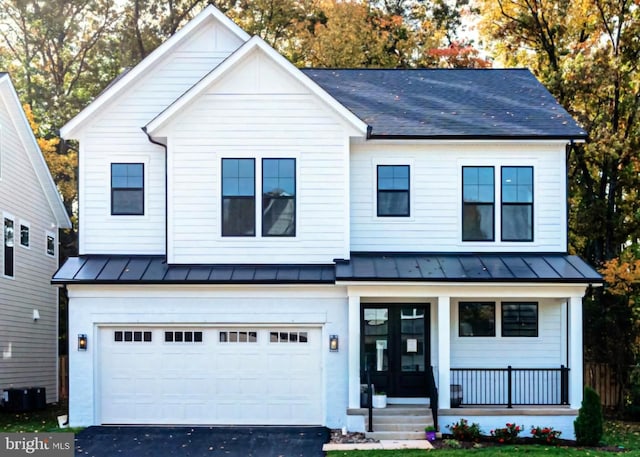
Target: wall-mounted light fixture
334,343
82,342
36,315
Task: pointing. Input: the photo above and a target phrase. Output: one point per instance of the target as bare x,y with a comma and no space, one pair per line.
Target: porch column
354,351
444,352
575,352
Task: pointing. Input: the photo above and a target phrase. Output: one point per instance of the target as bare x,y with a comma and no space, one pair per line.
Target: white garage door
270,376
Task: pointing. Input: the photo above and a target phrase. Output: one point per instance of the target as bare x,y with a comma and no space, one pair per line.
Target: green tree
586,53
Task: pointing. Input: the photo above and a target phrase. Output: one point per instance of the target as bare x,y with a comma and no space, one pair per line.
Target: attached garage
205,375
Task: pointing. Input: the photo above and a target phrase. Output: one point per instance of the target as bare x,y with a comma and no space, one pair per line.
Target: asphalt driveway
201,441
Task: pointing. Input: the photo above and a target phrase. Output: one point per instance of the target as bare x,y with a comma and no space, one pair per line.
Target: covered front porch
483,348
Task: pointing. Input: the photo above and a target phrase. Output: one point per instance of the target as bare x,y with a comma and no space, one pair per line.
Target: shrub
545,434
462,431
507,434
588,424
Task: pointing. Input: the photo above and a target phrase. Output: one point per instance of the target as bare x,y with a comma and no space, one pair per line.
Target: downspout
569,147
166,193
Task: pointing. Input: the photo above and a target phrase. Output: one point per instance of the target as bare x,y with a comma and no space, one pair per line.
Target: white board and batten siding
114,135
28,348
435,223
258,111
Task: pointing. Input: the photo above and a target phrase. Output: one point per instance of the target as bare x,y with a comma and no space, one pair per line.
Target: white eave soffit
245,50
69,130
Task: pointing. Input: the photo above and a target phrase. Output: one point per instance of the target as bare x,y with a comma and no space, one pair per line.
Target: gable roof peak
224,67
121,82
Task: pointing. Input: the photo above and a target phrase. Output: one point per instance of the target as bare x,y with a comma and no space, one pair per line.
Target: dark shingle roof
556,268
118,269
449,103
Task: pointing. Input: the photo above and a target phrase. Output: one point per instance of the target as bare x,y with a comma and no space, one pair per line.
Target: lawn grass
45,420
624,435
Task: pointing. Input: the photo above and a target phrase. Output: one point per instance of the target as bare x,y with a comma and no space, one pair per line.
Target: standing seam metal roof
448,267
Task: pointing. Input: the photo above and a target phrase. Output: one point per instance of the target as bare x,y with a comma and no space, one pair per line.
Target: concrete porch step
399,427
395,435
424,420
393,410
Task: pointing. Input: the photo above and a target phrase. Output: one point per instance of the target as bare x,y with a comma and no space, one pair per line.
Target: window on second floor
51,244
477,204
8,243
238,197
127,189
25,236
517,204
278,197
393,191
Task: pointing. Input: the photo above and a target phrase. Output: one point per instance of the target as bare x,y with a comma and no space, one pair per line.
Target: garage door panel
211,376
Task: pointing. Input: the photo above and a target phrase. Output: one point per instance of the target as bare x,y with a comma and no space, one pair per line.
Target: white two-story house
256,239
31,213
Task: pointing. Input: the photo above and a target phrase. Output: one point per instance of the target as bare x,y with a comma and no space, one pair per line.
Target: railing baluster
513,386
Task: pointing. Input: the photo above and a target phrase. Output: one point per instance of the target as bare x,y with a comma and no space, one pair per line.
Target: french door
395,346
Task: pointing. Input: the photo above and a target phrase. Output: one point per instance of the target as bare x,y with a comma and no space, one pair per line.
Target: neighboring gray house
255,239
32,212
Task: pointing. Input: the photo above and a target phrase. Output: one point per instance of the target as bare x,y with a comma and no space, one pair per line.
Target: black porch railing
512,386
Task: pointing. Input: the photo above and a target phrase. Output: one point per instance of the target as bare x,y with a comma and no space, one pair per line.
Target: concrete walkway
383,444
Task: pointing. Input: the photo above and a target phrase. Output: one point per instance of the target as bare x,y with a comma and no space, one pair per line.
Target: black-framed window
478,201
517,204
393,191
25,238
520,319
238,197
278,197
477,319
127,189
51,244
9,244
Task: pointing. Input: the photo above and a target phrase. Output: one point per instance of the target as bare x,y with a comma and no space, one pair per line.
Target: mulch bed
447,442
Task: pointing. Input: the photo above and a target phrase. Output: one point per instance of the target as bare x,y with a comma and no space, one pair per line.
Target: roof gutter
577,138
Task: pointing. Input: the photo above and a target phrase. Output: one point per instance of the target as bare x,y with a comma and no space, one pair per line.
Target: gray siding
28,349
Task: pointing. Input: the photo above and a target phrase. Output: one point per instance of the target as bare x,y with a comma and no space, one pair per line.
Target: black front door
395,345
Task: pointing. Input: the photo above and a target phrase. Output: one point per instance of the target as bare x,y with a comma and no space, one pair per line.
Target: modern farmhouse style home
257,241
32,212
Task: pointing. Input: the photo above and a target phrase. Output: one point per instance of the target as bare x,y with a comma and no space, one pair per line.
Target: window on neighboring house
477,319
25,240
278,197
520,319
127,189
393,190
517,203
238,197
51,244
477,204
9,243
